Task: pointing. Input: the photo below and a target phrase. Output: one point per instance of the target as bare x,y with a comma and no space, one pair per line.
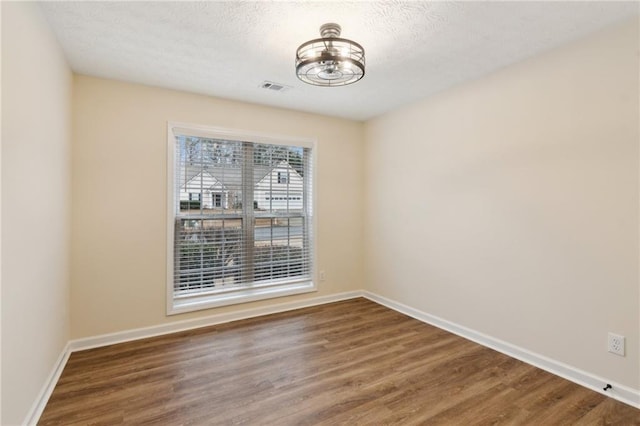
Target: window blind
243,215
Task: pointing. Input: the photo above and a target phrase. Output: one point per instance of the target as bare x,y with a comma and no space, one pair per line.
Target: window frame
215,299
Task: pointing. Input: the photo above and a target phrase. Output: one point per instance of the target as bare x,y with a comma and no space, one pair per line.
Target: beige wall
509,205
36,206
119,198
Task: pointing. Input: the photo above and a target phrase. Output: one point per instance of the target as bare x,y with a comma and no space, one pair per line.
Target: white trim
199,130
243,295
619,392
190,324
47,389
315,268
33,416
246,294
170,215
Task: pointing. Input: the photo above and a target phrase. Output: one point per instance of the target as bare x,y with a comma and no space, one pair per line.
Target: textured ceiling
227,49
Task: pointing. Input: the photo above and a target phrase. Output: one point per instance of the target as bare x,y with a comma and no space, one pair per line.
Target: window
283,177
257,242
217,200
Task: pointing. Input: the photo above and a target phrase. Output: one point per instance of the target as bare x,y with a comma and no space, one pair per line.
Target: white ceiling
228,48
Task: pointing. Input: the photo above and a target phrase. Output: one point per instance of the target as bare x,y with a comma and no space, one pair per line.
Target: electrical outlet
616,344
322,276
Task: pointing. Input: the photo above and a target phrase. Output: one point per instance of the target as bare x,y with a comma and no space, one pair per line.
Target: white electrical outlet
616,344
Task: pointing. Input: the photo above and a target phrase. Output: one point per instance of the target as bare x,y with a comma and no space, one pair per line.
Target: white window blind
240,231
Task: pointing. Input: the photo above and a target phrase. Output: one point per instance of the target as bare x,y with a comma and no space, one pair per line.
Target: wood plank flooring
352,362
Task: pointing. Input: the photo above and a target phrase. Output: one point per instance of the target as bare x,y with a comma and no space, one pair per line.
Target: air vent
276,87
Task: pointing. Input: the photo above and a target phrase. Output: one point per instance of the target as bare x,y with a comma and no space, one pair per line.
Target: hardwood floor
352,362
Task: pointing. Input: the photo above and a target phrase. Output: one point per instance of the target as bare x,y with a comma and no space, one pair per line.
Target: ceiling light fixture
330,61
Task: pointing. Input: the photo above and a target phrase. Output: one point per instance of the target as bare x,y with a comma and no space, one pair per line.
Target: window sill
196,303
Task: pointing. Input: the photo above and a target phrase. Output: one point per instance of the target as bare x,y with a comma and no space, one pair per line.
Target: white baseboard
619,392
45,393
141,333
190,324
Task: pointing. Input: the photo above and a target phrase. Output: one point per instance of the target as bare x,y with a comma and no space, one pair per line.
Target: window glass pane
208,254
279,248
279,178
209,174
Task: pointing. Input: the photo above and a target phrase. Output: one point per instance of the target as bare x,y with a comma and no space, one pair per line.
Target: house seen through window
242,218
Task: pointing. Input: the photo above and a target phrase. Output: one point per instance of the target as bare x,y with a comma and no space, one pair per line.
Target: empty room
320,212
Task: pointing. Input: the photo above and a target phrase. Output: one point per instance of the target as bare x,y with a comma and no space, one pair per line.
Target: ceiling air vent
276,87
